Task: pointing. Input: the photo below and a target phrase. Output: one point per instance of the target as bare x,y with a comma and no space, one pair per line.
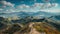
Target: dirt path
33,30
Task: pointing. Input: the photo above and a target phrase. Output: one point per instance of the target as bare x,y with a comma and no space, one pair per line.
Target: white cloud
10,10
33,8
3,6
45,5
51,10
1,9
23,6
54,4
5,3
36,7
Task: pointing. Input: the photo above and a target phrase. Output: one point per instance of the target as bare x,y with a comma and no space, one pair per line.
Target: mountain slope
30,28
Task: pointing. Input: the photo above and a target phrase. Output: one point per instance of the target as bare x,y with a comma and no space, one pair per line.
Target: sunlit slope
30,28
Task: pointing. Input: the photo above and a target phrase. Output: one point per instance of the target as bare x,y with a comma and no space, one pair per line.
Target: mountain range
23,14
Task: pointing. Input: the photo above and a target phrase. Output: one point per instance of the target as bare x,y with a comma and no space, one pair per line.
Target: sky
10,6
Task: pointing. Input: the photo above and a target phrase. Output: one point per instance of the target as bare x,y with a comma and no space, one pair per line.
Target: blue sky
9,6
29,2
